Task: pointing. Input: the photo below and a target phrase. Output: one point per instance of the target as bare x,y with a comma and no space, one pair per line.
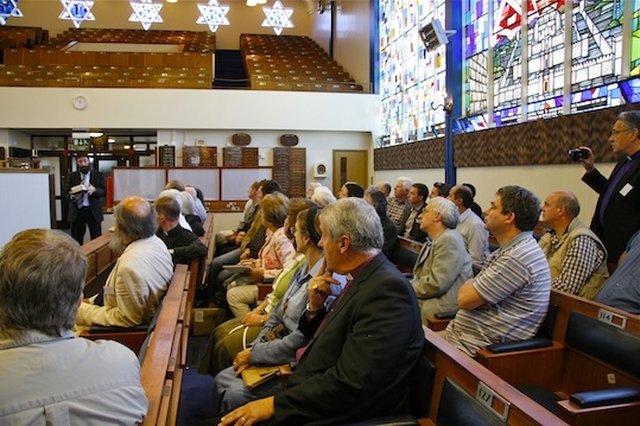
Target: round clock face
80,102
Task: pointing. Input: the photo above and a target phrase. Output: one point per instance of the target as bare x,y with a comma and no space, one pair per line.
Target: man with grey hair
616,217
322,196
509,297
141,274
444,263
363,347
470,225
577,258
397,204
44,369
385,187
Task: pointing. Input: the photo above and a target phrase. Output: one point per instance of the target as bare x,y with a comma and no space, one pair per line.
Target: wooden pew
498,396
161,367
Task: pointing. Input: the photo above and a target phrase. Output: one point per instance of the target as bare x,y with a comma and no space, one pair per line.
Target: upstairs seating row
17,37
292,63
191,41
48,56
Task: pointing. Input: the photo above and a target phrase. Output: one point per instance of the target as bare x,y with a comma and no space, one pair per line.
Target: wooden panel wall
544,141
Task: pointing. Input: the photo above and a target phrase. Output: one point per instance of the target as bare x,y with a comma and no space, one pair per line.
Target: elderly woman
280,338
275,252
229,337
444,263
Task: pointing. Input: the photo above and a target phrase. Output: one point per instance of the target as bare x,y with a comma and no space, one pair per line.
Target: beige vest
555,258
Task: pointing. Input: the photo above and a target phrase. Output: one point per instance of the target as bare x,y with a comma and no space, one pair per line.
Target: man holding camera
616,217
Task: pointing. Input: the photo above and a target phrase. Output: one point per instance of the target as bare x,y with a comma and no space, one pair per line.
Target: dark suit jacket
390,234
95,200
622,214
361,363
416,234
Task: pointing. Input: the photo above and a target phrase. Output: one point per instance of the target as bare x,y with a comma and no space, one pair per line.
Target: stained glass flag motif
213,15
278,17
8,9
77,11
146,12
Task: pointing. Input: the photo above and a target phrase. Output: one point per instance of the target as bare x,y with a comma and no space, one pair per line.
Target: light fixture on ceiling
172,1
252,3
95,134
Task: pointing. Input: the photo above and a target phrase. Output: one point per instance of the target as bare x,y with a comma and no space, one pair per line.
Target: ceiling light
172,1
96,134
261,1
252,2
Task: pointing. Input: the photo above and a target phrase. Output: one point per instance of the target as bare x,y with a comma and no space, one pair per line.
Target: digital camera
578,154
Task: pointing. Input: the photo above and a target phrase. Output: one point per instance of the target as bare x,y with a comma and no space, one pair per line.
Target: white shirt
475,236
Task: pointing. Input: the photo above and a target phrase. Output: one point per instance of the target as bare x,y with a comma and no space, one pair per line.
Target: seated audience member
389,231
475,207
444,263
183,245
177,195
230,239
229,337
509,297
322,197
410,225
141,274
622,289
397,204
577,258
351,189
275,252
470,226
48,376
385,187
363,350
198,205
439,189
311,188
280,338
250,244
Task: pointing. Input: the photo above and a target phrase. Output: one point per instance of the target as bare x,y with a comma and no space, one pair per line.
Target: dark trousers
79,226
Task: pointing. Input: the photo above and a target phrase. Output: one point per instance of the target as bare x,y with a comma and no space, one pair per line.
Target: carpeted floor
197,389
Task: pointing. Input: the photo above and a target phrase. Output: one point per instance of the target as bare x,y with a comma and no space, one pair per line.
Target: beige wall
541,180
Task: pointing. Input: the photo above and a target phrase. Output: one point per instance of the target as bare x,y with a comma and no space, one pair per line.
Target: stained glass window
494,41
596,50
545,44
411,79
476,42
635,40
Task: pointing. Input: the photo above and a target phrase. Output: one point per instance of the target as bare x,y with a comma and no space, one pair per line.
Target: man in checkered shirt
397,204
577,257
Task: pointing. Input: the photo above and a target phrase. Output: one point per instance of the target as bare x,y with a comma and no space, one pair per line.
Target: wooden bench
594,356
507,404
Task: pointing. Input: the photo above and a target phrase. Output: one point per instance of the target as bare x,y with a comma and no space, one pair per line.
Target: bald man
577,257
141,274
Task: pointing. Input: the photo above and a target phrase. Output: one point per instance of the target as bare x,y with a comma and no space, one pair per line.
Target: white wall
541,180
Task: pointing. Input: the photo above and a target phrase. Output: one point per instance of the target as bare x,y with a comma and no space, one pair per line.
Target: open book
254,376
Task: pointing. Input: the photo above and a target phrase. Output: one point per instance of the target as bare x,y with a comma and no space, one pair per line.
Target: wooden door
349,166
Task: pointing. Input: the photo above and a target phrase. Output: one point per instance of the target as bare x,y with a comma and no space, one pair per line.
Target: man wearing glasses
616,217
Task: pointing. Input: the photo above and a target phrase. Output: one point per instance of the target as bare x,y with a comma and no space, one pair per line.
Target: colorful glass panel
476,45
635,39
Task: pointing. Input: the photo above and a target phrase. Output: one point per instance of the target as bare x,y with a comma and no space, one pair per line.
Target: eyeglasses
615,132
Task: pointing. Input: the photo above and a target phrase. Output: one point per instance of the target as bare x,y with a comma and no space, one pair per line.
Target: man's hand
320,287
91,189
589,162
249,414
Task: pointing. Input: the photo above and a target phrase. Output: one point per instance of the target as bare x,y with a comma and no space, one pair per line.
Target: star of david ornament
77,11
278,17
146,12
9,8
213,15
